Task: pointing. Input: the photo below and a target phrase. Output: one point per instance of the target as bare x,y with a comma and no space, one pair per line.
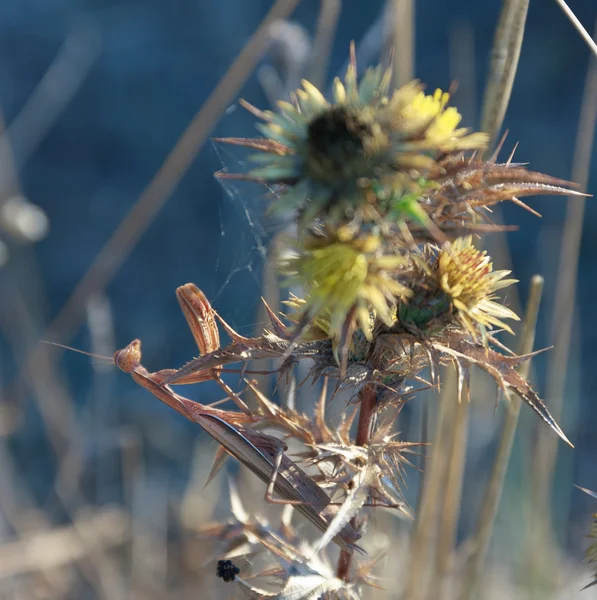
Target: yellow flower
443,126
433,127
320,325
346,281
466,275
330,155
423,109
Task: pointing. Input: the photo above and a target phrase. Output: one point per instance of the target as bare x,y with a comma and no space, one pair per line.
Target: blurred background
101,487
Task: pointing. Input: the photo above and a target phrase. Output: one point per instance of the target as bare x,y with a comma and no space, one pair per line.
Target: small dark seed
226,570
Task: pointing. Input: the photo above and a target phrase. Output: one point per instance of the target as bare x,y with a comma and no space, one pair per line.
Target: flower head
347,280
429,124
466,275
334,156
395,161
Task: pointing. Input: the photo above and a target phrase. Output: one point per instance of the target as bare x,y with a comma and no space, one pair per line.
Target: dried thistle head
243,533
454,285
367,475
394,355
298,573
293,568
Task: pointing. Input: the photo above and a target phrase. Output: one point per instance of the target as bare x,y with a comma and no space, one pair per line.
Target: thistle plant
389,199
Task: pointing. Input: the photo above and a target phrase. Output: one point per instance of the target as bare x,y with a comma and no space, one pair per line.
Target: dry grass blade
423,536
463,67
404,41
452,494
565,297
504,61
59,547
586,491
324,38
578,25
58,86
500,465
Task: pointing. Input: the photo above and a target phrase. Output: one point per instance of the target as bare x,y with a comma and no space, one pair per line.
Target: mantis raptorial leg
200,317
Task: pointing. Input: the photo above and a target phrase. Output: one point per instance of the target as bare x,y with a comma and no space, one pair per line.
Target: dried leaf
503,370
309,587
355,499
586,491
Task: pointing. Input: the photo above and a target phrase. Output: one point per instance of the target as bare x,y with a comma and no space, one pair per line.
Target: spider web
244,227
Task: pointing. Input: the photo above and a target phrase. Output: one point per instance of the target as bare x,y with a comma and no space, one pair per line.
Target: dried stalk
565,294
495,485
368,397
578,26
504,61
62,546
404,41
450,508
462,55
545,452
327,22
433,482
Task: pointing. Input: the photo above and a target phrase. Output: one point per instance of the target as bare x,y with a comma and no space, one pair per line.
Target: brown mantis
261,453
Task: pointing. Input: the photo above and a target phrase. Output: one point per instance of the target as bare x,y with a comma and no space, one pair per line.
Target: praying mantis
263,454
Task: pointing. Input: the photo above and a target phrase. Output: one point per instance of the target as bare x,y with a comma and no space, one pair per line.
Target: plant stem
424,536
503,64
565,294
495,486
404,41
368,398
